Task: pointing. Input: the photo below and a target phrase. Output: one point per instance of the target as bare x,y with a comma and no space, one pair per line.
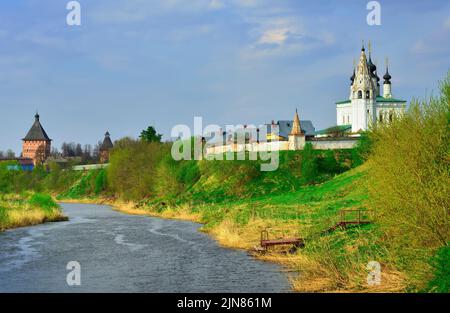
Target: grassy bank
331,262
27,209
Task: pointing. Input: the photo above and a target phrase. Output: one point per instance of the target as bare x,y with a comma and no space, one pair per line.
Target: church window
381,117
359,94
367,94
343,119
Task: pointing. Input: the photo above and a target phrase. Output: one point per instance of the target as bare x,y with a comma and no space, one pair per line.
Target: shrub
132,168
409,183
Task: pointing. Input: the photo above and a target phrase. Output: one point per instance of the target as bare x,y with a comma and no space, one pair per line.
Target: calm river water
125,253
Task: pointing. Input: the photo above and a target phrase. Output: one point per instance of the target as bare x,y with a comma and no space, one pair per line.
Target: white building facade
365,105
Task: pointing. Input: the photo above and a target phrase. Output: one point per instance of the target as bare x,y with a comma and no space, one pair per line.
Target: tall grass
27,209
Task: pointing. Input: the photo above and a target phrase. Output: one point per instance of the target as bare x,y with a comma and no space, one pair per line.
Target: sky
135,63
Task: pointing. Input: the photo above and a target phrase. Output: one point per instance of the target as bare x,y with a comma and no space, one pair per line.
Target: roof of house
334,129
107,143
36,131
285,128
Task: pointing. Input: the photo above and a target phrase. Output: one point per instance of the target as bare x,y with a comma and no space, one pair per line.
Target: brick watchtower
36,144
105,148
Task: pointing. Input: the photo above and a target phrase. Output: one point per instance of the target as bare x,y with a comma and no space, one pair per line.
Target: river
126,253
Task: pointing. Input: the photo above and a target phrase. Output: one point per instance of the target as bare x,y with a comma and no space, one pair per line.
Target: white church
366,106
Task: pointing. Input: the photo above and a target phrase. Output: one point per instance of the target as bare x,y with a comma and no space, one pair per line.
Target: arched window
381,117
343,119
359,94
367,94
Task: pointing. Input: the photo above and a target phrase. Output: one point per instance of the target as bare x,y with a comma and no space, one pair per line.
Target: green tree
150,135
132,170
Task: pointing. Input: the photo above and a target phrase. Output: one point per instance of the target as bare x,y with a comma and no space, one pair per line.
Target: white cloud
274,36
283,36
277,30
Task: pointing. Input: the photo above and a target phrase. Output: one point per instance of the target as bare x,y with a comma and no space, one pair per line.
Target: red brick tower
105,148
36,144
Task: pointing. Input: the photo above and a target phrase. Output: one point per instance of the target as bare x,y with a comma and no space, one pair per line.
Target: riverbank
27,210
334,262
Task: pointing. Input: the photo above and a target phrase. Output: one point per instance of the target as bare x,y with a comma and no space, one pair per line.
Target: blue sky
134,63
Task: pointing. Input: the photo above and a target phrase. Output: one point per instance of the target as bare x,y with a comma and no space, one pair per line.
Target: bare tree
10,154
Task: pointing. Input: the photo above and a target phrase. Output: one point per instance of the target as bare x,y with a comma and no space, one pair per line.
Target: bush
409,183
132,168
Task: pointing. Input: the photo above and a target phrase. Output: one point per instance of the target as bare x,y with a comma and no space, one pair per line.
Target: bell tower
363,94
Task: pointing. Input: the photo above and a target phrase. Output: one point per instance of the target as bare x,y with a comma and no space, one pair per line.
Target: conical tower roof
36,132
107,143
296,127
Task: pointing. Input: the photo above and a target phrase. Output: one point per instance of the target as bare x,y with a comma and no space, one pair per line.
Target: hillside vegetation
398,174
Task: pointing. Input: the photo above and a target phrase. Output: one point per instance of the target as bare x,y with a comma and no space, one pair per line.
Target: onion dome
387,77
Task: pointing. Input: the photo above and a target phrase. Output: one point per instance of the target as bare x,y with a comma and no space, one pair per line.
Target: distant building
36,144
285,128
279,136
23,164
105,148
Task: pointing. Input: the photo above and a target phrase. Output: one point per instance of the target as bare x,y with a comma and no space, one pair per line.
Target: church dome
387,77
372,67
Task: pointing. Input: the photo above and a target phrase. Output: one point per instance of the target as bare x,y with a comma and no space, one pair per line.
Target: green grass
17,210
3,216
43,201
320,203
90,185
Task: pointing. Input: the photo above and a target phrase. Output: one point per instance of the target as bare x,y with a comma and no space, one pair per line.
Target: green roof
379,99
343,102
382,99
334,129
